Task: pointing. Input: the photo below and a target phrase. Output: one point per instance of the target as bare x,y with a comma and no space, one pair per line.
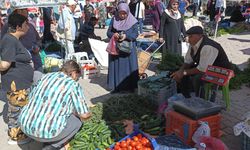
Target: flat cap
195,30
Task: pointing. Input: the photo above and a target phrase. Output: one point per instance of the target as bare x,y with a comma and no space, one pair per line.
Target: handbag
111,48
124,46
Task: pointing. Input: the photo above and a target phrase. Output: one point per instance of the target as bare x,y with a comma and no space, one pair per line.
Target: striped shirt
55,97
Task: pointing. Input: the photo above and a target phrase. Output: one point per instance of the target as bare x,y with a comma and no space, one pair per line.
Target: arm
183,29
79,102
4,65
109,32
187,4
207,57
132,33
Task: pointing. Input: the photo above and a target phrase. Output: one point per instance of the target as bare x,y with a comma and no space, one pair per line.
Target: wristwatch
184,72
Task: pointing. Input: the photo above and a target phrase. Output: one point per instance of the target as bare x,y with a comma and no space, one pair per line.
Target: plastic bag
111,49
212,143
203,130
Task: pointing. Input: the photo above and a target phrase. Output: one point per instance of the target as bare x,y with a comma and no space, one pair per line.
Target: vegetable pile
137,142
107,122
170,62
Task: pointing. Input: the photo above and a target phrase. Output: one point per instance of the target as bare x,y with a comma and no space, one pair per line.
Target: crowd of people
57,107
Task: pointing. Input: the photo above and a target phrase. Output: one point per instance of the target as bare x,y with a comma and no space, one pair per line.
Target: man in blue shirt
55,105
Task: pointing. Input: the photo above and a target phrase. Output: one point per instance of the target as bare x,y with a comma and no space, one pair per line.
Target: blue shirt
55,97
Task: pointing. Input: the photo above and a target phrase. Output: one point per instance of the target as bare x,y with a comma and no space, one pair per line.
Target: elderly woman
15,66
172,28
123,68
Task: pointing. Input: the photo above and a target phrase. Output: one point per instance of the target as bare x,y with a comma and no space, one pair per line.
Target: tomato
128,140
143,142
118,143
135,138
133,143
108,149
139,136
129,147
123,144
117,147
138,147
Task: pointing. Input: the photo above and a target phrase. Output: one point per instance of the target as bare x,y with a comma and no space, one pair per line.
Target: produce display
106,124
92,136
137,142
170,62
157,82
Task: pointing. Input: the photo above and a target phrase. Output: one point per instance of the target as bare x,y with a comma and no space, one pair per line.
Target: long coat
170,31
123,68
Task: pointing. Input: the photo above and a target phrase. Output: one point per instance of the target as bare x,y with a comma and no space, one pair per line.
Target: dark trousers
190,84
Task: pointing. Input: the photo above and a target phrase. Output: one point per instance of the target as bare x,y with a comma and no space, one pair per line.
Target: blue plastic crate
152,140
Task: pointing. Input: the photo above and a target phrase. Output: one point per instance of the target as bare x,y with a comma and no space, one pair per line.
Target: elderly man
68,26
202,52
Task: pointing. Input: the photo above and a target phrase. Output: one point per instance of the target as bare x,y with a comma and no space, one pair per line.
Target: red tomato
139,136
135,138
123,144
138,147
133,143
117,147
118,143
128,140
129,147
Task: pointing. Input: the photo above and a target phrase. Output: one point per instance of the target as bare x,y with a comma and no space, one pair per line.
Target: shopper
56,108
15,65
172,29
123,68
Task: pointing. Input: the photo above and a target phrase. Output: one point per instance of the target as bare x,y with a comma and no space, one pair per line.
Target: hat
195,30
71,2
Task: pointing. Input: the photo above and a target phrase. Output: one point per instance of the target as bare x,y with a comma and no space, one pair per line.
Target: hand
116,36
123,37
161,40
177,76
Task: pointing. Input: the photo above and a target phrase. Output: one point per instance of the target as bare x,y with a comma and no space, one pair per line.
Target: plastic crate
185,127
160,96
152,140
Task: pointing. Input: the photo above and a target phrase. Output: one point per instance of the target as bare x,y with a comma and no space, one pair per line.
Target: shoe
19,142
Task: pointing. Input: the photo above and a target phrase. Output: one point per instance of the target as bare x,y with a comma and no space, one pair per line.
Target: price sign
218,75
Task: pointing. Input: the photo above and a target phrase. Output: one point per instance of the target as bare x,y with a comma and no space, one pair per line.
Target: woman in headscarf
123,68
172,29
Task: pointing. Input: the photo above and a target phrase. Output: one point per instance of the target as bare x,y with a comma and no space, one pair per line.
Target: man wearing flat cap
202,52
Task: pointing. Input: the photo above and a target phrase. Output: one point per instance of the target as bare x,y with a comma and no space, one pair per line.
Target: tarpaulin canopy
31,3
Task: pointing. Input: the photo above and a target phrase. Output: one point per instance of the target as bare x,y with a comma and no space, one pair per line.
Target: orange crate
184,127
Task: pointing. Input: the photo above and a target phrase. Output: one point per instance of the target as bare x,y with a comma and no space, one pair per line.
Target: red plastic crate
184,127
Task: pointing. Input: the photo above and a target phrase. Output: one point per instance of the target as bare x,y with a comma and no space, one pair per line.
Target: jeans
140,24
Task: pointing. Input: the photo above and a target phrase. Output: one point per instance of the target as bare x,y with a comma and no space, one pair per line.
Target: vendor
202,52
55,105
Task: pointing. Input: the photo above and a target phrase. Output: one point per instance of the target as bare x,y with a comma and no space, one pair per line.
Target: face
72,8
24,28
175,6
193,39
123,15
75,75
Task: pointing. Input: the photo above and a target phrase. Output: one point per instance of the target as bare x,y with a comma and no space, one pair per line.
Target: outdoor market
125,74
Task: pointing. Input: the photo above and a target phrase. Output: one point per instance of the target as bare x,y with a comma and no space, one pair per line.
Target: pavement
237,48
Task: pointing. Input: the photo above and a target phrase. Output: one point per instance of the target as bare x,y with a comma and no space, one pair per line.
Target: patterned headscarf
126,23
